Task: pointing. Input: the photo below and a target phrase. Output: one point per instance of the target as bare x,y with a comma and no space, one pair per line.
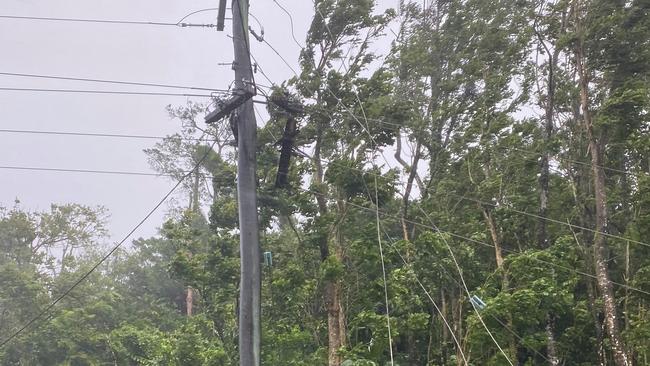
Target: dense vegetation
500,152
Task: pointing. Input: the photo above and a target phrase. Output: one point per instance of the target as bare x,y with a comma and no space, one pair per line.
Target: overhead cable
111,92
105,81
92,171
93,134
106,21
475,241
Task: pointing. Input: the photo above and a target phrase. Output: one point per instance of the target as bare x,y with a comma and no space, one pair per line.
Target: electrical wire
475,241
462,280
513,209
196,12
92,134
111,92
375,147
488,245
428,295
281,57
459,285
108,92
259,67
366,128
572,270
398,126
383,272
390,338
107,255
437,230
119,82
293,35
91,171
105,21
508,208
260,102
401,125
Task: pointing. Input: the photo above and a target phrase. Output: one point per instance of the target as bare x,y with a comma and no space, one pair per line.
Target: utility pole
250,283
249,246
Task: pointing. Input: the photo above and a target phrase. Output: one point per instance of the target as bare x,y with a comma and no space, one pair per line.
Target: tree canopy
479,195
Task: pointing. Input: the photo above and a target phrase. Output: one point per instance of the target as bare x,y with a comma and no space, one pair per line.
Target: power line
377,212
109,135
446,273
293,35
259,67
261,102
398,125
383,268
196,12
106,21
554,155
426,292
110,92
390,339
436,229
83,91
120,82
462,280
107,255
377,208
475,241
91,171
519,211
550,219
508,208
372,210
281,57
613,236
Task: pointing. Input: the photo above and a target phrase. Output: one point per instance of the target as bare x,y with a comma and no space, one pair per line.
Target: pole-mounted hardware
224,109
268,259
477,302
221,16
293,109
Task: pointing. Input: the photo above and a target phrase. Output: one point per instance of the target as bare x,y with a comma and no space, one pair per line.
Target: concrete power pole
250,284
249,246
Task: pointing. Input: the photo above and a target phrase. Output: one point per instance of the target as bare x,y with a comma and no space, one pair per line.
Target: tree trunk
498,253
332,303
332,289
445,332
542,233
542,238
194,209
551,345
412,169
189,301
596,151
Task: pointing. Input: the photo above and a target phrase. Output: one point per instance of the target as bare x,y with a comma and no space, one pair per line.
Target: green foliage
464,89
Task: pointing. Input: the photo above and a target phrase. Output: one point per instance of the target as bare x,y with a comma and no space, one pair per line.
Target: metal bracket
223,109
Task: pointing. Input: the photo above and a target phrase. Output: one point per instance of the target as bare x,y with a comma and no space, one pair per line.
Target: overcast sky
140,53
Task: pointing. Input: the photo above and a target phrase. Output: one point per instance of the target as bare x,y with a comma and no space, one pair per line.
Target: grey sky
141,53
